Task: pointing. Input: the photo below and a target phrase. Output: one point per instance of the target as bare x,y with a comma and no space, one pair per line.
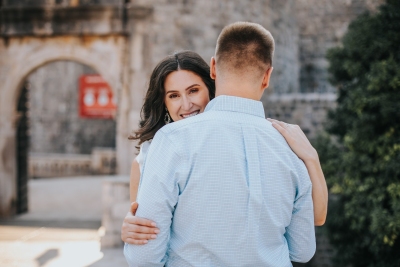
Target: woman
180,87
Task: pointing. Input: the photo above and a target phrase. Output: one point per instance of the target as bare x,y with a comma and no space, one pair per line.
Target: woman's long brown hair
153,110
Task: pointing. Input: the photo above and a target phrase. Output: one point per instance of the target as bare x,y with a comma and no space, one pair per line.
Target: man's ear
267,77
213,72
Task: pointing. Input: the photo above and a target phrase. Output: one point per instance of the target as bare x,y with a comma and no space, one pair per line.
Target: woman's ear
213,73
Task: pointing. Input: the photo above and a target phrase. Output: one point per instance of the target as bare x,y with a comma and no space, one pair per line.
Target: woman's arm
300,145
134,180
136,230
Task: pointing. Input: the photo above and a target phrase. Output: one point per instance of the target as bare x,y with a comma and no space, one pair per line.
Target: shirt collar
236,104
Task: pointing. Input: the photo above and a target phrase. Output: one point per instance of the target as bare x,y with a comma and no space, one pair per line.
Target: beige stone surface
62,227
65,199
24,246
115,198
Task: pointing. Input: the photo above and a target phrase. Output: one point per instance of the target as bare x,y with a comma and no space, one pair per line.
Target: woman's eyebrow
193,85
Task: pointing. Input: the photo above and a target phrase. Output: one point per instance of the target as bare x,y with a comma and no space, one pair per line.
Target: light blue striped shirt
225,189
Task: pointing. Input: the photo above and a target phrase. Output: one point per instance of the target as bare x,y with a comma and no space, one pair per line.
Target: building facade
124,40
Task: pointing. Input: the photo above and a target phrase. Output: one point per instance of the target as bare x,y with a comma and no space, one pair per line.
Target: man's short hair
244,47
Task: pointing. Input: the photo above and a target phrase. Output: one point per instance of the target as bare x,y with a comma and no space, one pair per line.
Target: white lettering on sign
88,98
103,98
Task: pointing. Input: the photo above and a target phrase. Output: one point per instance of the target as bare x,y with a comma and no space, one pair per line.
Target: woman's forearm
300,145
319,190
134,180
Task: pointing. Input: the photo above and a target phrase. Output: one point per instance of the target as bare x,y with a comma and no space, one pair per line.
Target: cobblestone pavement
58,235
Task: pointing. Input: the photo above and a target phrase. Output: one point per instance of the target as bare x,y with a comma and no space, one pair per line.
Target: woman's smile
188,115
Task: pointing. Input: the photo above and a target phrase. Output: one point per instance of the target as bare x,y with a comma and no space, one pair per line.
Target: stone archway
21,56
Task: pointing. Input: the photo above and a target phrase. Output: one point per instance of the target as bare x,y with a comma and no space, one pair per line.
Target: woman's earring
167,118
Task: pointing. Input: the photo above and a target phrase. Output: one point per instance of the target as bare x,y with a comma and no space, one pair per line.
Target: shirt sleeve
157,198
300,234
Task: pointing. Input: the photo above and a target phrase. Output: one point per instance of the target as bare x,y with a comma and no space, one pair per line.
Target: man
223,187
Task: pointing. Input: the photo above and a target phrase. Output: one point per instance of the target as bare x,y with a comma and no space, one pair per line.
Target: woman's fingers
286,129
139,221
137,236
296,139
280,123
128,227
135,228
143,229
135,242
132,233
279,126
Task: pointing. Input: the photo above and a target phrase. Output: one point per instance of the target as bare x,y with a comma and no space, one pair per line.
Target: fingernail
153,236
153,224
145,241
156,231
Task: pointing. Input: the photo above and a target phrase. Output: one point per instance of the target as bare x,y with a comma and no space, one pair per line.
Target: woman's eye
173,95
194,90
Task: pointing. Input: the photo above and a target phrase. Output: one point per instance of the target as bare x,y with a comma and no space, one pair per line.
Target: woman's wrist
312,158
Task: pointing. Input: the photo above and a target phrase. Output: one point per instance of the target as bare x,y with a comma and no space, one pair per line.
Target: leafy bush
362,166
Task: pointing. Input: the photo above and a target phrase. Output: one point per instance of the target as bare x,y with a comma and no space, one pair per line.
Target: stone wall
48,17
308,110
47,165
55,124
61,2
322,24
195,25
303,31
116,204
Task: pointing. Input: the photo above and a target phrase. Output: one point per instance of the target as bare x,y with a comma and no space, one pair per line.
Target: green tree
362,165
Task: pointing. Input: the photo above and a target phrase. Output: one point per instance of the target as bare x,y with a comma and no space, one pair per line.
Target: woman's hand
300,145
296,139
137,231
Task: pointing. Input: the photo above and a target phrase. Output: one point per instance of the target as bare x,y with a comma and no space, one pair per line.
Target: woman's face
186,95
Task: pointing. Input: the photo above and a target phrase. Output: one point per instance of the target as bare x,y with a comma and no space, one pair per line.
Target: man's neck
238,90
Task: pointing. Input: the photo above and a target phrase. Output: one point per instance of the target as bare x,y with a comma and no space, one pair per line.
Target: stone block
115,206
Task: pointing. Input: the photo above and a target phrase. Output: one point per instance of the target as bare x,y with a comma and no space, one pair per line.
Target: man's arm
158,195
300,234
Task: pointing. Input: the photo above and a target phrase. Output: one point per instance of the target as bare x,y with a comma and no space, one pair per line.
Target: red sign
96,98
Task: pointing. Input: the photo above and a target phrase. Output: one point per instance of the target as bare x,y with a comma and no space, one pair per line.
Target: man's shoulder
185,124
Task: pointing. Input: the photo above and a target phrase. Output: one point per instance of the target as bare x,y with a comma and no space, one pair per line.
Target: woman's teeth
190,115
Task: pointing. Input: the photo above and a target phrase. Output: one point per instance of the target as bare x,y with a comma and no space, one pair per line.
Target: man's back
239,196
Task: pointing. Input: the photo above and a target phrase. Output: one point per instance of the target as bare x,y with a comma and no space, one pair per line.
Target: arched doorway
55,139
103,54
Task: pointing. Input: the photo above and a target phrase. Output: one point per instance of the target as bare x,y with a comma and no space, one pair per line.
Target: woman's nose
187,104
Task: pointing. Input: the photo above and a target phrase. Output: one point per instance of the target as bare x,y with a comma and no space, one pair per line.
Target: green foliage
363,165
